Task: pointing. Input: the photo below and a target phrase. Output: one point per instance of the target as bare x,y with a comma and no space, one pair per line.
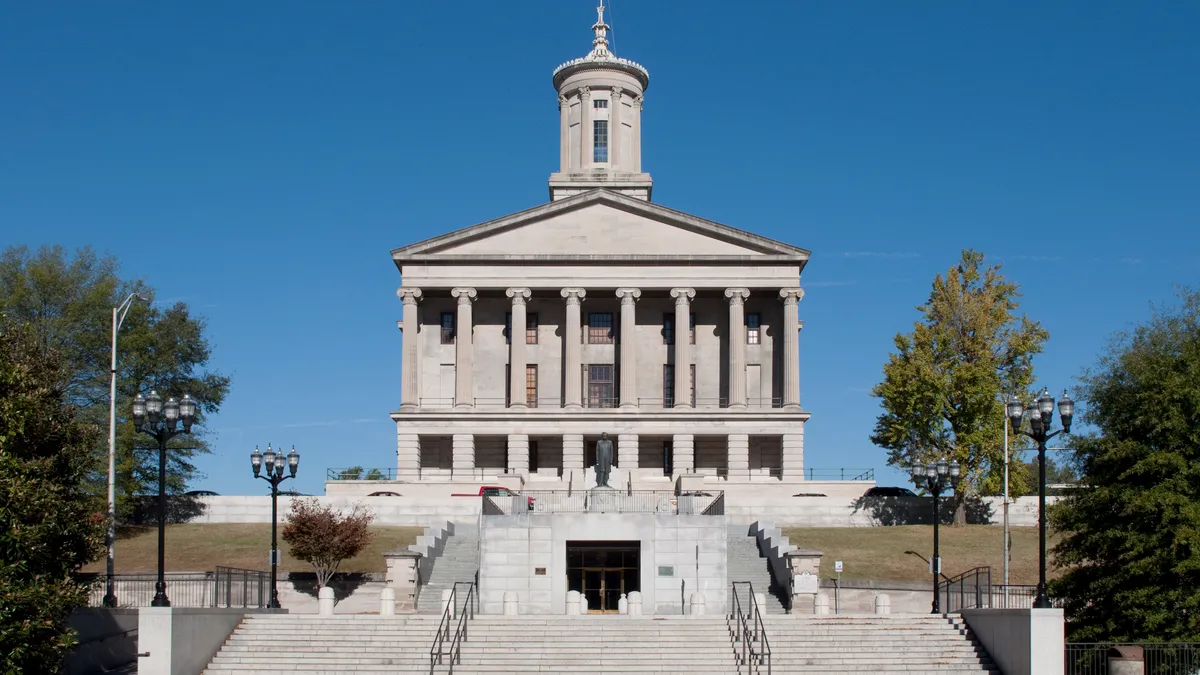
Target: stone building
526,337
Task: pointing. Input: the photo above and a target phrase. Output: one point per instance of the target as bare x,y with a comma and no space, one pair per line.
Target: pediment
598,223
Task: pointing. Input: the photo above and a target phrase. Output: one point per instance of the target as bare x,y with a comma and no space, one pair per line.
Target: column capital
683,295
791,296
464,295
400,325
629,295
737,296
585,93
639,101
518,295
408,296
562,101
617,93
574,296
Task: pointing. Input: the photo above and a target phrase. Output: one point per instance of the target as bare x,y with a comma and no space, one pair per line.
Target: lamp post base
109,601
273,603
1042,600
160,595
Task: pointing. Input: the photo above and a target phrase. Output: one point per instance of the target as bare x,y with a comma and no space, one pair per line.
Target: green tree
322,536
67,301
941,389
1130,540
51,525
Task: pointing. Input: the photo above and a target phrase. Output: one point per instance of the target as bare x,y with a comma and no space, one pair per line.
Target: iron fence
839,474
359,473
617,501
1160,658
224,587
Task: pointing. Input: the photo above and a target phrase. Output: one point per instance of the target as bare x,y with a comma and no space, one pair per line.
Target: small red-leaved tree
323,536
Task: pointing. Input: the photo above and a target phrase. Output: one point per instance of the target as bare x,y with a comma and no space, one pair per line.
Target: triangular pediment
599,223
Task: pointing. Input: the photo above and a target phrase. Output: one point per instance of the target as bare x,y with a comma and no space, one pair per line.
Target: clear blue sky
260,159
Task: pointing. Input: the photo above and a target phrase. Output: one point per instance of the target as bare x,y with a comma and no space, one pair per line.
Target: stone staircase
746,564
880,645
459,562
306,644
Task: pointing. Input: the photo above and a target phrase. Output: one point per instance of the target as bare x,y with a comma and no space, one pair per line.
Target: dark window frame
600,141
754,328
449,326
593,336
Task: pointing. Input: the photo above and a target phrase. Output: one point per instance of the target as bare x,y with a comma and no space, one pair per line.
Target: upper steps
459,561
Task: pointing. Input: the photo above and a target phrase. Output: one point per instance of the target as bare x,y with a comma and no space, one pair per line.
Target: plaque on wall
539,571
666,571
806,583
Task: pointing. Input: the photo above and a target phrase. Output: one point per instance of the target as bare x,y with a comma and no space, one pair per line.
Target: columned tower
600,122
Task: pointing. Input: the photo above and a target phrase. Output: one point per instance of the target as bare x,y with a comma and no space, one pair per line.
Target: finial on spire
600,43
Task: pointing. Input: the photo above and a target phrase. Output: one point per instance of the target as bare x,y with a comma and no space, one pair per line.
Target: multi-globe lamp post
160,420
274,462
1040,418
935,477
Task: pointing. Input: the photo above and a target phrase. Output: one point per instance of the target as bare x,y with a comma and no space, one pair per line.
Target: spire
600,43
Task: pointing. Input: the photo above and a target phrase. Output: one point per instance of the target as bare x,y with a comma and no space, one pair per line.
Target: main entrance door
602,571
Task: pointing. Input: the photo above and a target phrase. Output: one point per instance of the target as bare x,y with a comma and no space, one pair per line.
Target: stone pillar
739,455
573,457
585,128
463,459
572,369
564,134
627,451
791,347
518,454
637,133
737,347
793,454
614,128
410,363
628,364
408,456
683,346
684,448
517,350
464,352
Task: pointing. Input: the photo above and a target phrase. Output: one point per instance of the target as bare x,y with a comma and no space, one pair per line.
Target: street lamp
936,476
274,463
1040,418
110,537
158,419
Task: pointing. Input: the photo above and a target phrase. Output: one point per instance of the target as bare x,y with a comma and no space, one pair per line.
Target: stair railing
749,631
969,590
445,643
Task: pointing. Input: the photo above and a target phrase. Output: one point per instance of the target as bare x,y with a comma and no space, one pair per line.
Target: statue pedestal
602,499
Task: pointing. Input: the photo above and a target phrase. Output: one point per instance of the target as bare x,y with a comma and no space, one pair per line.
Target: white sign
837,566
806,583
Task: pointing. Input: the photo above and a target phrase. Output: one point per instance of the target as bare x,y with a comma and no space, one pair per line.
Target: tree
1130,540
375,474
941,390
1057,473
51,525
352,473
68,304
322,536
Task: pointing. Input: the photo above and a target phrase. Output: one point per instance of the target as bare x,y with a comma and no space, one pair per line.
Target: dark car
200,493
384,493
889,492
292,493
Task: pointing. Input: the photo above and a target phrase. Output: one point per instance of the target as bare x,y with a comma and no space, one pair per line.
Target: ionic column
564,133
585,128
516,348
518,454
573,455
737,347
628,372
683,448
738,457
614,131
572,385
409,366
791,346
464,352
627,451
683,346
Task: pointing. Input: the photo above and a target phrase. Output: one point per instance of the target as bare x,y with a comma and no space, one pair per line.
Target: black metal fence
223,587
1160,658
618,501
974,589
359,473
839,474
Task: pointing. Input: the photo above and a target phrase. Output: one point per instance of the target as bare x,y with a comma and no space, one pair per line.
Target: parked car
384,493
889,492
494,491
292,493
200,493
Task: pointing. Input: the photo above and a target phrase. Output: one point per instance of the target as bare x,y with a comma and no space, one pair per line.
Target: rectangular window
600,328
669,329
599,385
600,140
531,381
531,328
669,385
599,103
447,328
753,329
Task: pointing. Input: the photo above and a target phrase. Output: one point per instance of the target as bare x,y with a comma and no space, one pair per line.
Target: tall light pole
274,463
110,537
155,418
936,475
1040,418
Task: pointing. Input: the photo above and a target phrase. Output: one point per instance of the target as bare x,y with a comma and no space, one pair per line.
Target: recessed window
600,140
753,329
600,328
531,328
531,381
599,103
669,385
599,379
669,329
447,328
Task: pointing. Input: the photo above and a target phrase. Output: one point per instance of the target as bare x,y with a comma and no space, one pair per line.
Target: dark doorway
602,571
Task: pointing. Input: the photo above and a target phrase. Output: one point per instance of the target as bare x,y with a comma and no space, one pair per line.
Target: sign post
837,588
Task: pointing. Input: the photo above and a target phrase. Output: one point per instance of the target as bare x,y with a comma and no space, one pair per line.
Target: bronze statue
604,459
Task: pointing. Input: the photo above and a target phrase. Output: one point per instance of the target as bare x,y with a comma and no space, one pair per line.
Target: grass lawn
193,548
879,552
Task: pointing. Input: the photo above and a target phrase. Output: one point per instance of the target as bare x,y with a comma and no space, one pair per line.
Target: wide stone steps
458,562
744,563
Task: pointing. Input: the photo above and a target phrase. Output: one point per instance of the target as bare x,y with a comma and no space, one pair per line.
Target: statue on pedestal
604,459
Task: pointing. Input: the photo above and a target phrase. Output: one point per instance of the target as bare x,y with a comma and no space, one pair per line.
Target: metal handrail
981,584
750,630
439,649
